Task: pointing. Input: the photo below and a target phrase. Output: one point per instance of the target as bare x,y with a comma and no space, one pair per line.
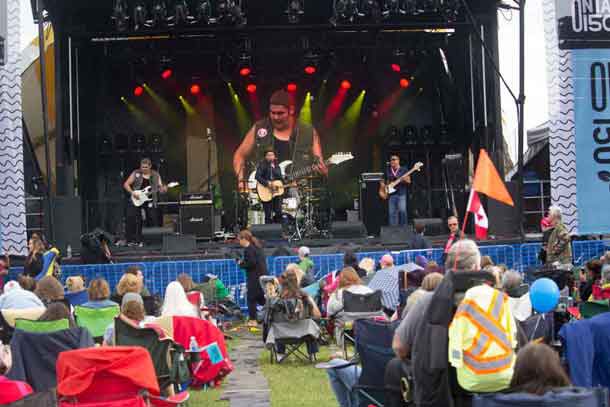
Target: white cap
303,251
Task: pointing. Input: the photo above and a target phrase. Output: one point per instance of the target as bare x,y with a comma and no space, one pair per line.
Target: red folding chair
121,376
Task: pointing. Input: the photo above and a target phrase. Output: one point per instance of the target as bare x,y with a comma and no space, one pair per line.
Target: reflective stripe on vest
490,331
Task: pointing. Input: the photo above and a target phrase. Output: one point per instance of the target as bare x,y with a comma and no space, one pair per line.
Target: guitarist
139,179
397,203
266,171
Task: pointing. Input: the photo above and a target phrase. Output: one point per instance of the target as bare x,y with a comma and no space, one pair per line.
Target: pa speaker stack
197,215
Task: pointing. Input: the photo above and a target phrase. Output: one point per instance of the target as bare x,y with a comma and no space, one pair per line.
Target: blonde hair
75,283
98,290
128,284
431,281
367,264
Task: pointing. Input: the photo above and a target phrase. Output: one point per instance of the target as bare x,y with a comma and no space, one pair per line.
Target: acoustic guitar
385,190
277,187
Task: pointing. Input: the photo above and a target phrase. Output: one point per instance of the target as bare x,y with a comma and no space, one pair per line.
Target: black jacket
266,172
33,268
255,265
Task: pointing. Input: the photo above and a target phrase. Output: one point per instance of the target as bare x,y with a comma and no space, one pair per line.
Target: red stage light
166,74
251,88
395,67
310,69
346,85
195,89
292,87
245,71
138,91
404,83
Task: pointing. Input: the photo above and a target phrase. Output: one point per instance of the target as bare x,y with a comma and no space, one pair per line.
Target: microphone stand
209,140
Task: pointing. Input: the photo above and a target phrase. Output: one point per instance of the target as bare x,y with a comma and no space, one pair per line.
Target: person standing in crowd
33,262
454,236
546,226
538,370
590,276
255,265
307,266
397,202
418,241
350,260
559,248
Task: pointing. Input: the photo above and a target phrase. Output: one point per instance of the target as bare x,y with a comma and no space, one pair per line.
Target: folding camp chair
110,377
8,317
42,327
167,356
356,307
374,348
96,320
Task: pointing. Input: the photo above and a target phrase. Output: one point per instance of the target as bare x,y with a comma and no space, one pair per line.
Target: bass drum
256,217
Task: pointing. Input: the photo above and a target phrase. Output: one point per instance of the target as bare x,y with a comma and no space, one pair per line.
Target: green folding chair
96,320
42,327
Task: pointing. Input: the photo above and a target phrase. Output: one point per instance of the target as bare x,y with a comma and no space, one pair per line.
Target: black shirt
282,149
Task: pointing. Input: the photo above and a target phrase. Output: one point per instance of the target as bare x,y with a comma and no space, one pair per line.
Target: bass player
397,203
268,170
139,179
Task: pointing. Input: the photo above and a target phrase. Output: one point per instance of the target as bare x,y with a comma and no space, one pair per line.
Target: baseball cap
304,251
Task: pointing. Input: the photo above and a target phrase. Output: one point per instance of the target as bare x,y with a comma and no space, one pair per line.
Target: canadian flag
481,222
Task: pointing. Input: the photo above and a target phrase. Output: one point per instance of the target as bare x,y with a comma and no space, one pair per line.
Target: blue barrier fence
159,274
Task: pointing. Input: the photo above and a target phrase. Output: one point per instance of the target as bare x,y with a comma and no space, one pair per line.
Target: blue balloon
544,295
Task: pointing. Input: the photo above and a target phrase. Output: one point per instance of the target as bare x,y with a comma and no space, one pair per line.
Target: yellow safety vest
482,339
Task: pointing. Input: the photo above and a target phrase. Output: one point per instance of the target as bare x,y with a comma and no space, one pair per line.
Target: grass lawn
297,384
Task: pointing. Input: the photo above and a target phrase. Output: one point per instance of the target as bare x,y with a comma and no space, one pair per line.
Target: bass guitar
276,188
144,195
385,190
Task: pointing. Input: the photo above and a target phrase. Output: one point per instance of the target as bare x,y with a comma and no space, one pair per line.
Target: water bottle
69,252
193,346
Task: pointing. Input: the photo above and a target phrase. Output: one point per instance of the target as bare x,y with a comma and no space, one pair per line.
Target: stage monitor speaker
179,244
197,215
67,220
434,226
348,230
395,234
155,235
272,231
373,210
504,219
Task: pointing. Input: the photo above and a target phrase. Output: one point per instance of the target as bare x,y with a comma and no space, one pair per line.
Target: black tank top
282,150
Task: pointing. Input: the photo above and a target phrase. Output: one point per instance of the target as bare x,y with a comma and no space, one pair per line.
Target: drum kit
300,208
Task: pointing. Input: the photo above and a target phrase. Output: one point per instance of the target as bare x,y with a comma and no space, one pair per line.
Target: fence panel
528,256
500,254
585,250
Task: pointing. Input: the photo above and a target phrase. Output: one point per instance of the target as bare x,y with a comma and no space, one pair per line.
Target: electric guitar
276,188
145,194
385,190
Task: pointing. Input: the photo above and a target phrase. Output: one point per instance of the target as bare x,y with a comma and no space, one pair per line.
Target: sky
536,107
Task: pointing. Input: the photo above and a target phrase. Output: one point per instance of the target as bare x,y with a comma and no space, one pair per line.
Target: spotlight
294,11
245,71
395,67
138,91
230,13
345,11
158,14
404,83
370,10
292,87
139,15
181,14
251,88
393,8
204,12
166,74
244,63
310,69
346,84
195,89
119,15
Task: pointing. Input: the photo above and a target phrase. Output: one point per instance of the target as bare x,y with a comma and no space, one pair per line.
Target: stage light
395,67
245,71
158,14
370,11
310,70
393,8
251,88
181,14
139,15
166,74
195,89
230,13
138,91
346,84
294,11
123,99
204,12
345,11
404,83
292,87
120,15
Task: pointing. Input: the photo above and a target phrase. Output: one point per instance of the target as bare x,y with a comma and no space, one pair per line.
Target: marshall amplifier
197,215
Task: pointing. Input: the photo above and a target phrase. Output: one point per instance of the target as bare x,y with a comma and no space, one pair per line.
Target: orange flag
487,180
